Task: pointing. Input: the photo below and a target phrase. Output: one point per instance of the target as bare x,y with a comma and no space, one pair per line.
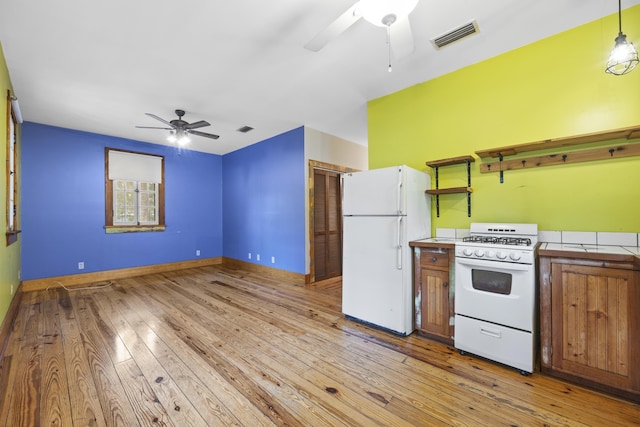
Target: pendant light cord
620,16
389,44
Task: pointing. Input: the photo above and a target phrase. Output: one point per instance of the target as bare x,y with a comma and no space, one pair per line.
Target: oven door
497,292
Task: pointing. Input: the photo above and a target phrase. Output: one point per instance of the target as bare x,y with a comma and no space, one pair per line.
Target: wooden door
433,300
594,335
327,224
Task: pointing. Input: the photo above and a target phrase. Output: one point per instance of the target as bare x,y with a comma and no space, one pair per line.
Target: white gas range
495,271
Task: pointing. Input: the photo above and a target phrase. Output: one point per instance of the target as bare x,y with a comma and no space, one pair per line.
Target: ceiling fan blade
152,127
199,124
402,38
206,135
160,119
337,27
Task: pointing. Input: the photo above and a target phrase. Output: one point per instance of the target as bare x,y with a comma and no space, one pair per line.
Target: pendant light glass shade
624,56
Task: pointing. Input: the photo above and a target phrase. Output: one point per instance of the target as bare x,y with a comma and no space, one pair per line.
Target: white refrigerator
383,210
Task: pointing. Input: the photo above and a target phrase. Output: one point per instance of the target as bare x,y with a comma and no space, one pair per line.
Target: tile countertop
596,252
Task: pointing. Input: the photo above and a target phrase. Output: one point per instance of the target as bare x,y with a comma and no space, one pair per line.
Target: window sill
12,236
113,229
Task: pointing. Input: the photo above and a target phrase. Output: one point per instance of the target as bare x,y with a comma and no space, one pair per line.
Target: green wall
553,88
9,255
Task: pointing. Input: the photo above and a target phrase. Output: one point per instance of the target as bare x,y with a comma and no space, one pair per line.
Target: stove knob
514,256
467,252
479,252
501,255
491,254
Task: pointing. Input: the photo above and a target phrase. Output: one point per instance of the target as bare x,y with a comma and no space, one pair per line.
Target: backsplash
590,238
572,237
452,233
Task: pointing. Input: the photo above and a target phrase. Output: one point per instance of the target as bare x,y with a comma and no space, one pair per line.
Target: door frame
312,166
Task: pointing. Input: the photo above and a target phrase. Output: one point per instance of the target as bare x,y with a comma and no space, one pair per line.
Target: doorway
327,224
325,209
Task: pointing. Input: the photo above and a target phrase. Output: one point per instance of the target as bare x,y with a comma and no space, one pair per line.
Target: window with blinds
134,191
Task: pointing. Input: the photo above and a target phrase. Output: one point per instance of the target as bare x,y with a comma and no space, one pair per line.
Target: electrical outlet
273,260
11,290
81,265
249,255
197,252
257,257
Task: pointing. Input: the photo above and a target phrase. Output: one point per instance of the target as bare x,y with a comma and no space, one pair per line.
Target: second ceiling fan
391,14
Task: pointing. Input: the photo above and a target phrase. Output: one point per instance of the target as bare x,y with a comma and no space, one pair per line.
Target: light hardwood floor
216,346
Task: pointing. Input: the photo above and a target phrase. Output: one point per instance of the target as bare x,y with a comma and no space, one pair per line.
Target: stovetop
500,242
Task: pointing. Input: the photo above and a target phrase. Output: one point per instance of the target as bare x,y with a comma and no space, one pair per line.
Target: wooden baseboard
102,276
298,278
5,329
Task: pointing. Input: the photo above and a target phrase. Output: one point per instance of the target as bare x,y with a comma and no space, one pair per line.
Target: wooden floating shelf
452,190
632,132
603,153
450,161
436,164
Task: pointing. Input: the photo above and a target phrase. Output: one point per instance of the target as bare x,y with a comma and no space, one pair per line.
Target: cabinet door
595,334
433,294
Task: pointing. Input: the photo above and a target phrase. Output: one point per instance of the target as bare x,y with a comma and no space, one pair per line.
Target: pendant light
624,56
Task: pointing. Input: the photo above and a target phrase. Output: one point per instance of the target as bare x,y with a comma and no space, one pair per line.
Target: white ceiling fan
390,14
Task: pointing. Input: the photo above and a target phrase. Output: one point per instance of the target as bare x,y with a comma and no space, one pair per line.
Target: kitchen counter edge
434,242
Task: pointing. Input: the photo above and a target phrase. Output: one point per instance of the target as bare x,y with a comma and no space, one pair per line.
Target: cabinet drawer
509,346
435,258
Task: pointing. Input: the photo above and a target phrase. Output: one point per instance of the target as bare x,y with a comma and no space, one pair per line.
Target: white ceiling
99,66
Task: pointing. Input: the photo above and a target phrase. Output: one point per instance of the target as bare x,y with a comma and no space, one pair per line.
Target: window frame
110,227
12,170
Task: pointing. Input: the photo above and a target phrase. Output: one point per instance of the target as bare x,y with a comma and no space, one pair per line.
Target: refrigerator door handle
399,245
399,194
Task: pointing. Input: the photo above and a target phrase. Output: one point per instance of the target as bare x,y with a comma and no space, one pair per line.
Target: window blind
135,167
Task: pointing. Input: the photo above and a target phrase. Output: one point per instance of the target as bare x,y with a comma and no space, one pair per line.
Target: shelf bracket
437,195
468,186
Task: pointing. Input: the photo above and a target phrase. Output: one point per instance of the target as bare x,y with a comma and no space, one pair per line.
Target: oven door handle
493,264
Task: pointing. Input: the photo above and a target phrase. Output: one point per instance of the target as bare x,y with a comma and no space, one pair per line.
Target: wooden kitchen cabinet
590,322
433,292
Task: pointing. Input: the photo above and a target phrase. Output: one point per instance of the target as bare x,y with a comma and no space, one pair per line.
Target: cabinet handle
434,259
445,284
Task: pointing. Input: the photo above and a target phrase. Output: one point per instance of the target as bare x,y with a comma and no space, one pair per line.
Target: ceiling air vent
455,35
245,129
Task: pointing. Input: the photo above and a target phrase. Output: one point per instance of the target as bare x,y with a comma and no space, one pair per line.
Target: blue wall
264,202
63,205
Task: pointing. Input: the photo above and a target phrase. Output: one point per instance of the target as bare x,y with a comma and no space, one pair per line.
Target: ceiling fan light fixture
378,11
181,137
624,56
172,138
183,140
